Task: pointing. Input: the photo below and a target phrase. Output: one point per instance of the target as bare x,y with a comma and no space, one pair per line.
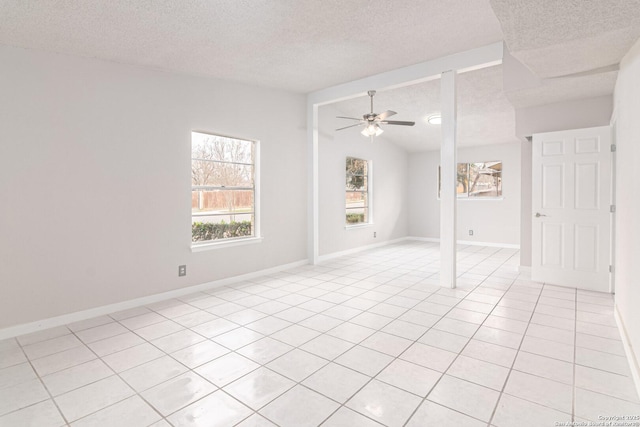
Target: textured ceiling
559,37
485,116
297,45
570,48
306,45
561,89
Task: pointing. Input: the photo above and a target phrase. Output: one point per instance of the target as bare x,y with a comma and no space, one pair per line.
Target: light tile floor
364,340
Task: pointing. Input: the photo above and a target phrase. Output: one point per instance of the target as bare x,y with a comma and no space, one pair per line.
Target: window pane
357,215
228,163
205,228
204,172
485,179
214,147
481,179
356,200
358,183
227,203
462,184
357,190
356,166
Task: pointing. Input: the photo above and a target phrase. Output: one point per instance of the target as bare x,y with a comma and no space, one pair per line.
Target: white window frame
234,241
369,196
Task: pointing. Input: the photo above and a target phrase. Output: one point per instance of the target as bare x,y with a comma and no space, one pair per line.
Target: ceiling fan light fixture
372,121
435,119
372,129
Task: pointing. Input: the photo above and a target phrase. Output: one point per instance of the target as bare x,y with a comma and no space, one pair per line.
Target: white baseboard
628,349
424,239
524,269
65,319
468,242
333,255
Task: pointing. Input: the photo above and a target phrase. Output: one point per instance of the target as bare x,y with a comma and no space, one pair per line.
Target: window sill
207,246
476,199
354,226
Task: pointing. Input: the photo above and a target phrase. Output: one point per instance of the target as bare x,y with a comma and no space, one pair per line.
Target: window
223,188
357,191
478,180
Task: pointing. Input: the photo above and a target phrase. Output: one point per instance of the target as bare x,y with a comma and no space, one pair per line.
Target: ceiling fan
372,121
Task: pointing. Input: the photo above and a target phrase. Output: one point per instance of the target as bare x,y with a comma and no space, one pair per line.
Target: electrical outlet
182,270
470,232
374,235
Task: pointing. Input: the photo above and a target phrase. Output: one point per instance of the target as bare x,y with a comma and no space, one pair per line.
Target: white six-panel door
571,188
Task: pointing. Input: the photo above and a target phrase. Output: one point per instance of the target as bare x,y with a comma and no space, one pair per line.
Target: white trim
628,349
333,255
313,212
257,214
489,244
526,269
424,239
369,205
370,198
478,199
65,319
358,225
225,243
448,164
467,242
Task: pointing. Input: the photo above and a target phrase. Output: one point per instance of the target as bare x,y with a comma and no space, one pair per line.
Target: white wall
492,221
390,164
574,114
95,181
627,238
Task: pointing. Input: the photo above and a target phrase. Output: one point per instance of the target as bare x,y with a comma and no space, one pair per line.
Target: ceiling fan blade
386,114
350,126
397,122
350,118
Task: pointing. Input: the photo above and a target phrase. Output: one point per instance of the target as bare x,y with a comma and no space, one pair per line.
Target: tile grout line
343,321
43,385
506,380
425,398
294,348
300,383
402,288
372,378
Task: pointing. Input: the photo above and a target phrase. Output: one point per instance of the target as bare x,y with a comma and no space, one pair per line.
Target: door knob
538,215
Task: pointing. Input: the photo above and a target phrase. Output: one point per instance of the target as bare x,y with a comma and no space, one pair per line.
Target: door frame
612,249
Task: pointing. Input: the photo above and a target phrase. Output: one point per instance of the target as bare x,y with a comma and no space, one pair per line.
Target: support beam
312,204
448,180
462,62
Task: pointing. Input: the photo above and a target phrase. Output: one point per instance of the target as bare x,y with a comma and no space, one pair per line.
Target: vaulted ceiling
564,49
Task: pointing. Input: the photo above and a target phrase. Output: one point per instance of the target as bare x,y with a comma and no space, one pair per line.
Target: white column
448,178
312,155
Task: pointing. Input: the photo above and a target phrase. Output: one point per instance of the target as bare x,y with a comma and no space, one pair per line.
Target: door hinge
611,269
612,208
613,148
